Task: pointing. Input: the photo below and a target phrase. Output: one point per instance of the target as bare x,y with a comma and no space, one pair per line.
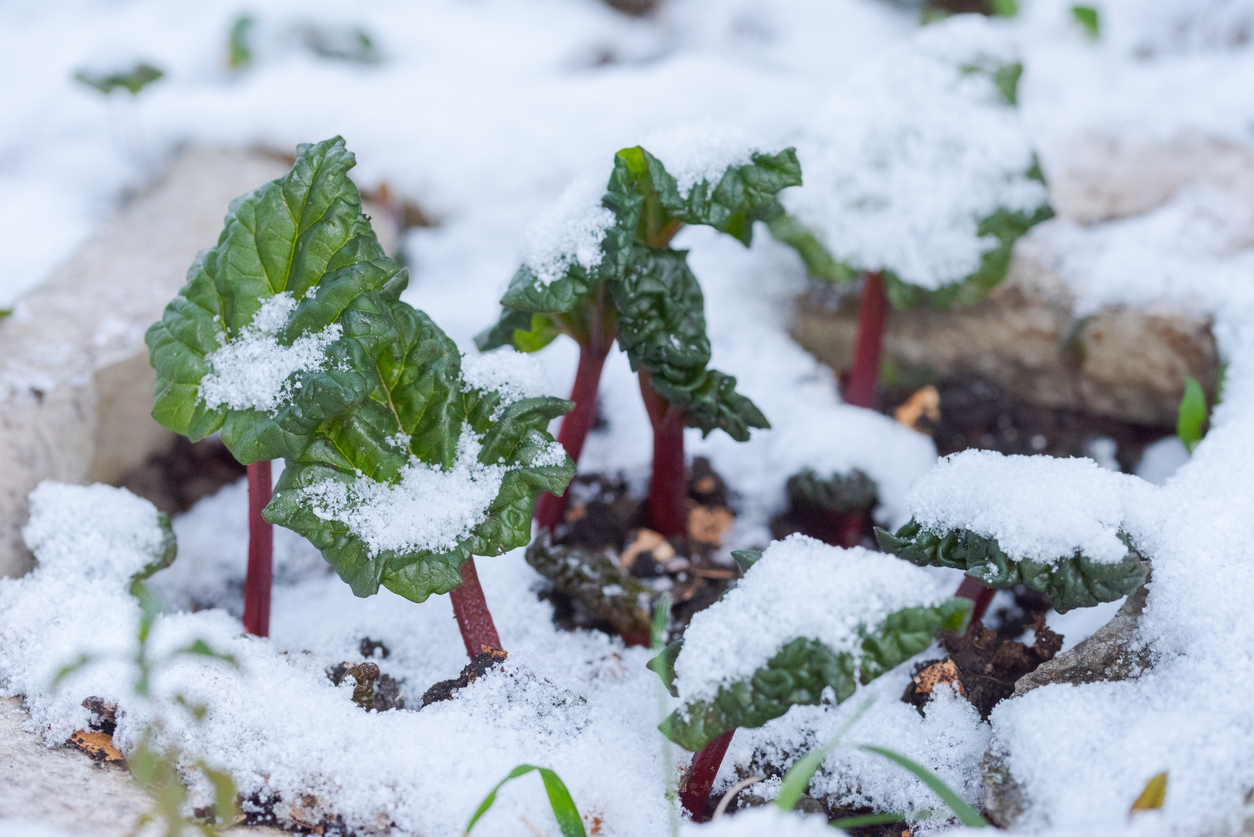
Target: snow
570,232
254,371
428,508
512,374
1035,507
1160,460
903,162
761,822
799,588
698,151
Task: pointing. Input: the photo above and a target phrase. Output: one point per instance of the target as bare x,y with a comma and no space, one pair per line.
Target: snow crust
1036,507
515,375
570,231
904,161
254,371
799,588
697,151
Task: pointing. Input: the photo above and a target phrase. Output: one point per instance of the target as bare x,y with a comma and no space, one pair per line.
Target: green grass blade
799,775
564,810
880,819
1191,415
969,816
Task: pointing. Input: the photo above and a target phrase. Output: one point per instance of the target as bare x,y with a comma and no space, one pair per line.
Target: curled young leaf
595,580
1070,582
271,333
803,668
400,489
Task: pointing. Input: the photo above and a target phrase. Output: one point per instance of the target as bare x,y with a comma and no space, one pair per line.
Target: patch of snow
904,161
1160,460
515,375
254,371
429,508
698,151
570,231
766,821
1035,507
800,588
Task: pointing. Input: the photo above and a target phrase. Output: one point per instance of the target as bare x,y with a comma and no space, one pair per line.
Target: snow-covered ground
482,113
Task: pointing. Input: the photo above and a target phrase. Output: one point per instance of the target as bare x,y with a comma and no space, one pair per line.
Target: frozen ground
483,113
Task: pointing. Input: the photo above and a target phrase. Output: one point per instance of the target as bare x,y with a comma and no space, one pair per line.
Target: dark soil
483,662
605,536
174,481
975,413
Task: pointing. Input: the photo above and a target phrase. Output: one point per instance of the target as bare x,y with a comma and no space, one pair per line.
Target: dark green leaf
132,80
803,668
1192,414
564,810
746,558
969,816
840,493
421,401
598,582
663,665
1087,17
304,235
1070,582
820,264
661,327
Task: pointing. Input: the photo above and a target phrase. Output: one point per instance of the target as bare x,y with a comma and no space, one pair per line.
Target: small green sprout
133,80
239,44
1192,414
564,810
1087,17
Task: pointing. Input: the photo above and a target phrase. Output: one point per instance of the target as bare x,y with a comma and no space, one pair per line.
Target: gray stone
1129,364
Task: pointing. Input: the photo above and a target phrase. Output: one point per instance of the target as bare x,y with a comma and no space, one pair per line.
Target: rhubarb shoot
260,552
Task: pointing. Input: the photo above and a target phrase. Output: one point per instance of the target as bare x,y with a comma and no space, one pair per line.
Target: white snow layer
514,375
254,370
1035,507
570,232
903,162
799,588
698,151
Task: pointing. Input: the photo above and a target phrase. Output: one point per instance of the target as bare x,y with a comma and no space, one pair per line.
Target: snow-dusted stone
75,382
1129,363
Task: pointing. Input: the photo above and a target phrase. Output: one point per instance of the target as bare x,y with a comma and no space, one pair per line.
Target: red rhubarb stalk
696,794
260,552
668,488
471,610
974,589
872,310
575,426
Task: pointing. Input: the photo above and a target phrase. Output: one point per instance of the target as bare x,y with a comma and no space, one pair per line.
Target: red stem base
260,553
471,609
974,589
872,311
575,427
668,488
696,794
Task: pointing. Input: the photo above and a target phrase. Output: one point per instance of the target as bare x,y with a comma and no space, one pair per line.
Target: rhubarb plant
838,618
921,180
290,339
601,269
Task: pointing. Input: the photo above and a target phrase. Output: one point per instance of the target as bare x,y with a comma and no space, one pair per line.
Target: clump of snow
766,821
801,587
428,508
103,534
904,162
1160,460
513,374
569,232
254,370
697,151
1035,507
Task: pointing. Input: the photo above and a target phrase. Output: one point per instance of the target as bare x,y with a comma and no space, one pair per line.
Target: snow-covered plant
807,617
132,80
1055,525
290,339
920,180
599,267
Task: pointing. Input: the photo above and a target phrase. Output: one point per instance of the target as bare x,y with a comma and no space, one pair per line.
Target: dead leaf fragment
924,403
646,540
98,745
1153,796
944,671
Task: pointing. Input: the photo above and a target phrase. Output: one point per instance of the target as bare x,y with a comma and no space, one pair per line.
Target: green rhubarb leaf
1070,582
800,671
300,252
598,582
661,327
133,80
841,493
417,420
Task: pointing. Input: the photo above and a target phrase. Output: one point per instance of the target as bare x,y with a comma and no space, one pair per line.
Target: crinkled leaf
598,582
420,398
661,327
803,668
841,493
1070,582
302,234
